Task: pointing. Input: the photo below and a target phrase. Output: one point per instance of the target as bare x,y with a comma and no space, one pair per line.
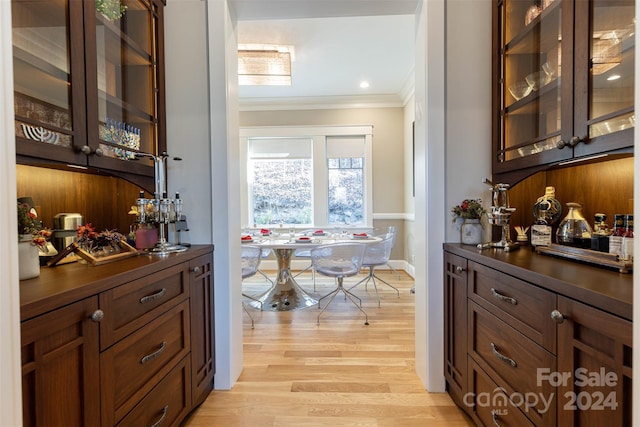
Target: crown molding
320,102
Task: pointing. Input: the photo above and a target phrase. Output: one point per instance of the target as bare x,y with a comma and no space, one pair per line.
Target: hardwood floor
337,373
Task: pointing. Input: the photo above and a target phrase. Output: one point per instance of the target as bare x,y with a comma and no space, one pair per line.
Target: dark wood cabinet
89,90
202,334
60,367
455,325
563,83
120,344
547,342
597,351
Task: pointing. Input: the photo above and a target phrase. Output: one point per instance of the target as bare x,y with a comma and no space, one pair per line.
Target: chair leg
313,274
249,314
253,299
351,296
370,276
266,277
391,286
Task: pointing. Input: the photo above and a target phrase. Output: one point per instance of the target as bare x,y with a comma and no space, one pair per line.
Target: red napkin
360,234
247,237
265,231
318,232
303,238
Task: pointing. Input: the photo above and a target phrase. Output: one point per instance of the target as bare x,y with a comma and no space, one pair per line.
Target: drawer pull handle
497,295
164,415
495,418
150,357
502,357
459,269
153,297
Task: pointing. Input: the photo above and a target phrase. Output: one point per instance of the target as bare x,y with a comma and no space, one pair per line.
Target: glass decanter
574,230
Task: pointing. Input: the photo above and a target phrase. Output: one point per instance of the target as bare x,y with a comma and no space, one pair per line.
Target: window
280,177
306,176
345,164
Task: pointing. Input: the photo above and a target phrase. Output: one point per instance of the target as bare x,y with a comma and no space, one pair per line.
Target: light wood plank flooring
337,373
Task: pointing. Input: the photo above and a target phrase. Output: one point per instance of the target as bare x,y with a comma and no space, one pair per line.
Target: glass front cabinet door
89,83
563,84
49,84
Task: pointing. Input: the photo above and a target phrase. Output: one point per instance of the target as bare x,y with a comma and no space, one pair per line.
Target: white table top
283,241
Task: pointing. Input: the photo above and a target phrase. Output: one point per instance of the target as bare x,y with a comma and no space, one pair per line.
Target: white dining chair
377,254
250,261
306,254
339,260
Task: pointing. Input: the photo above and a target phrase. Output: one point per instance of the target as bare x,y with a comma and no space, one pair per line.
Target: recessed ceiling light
364,84
613,77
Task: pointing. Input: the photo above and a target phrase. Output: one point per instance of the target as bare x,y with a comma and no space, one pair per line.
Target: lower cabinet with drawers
129,343
532,340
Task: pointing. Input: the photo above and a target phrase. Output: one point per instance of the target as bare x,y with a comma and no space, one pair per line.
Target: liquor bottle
546,211
601,232
615,240
627,238
541,229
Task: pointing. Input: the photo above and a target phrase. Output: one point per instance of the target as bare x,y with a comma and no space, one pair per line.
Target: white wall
10,372
453,145
468,122
202,128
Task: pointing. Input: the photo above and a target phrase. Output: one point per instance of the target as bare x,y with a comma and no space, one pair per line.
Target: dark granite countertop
68,283
604,289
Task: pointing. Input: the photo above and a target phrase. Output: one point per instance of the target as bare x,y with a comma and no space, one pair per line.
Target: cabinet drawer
490,404
511,359
134,365
167,404
134,304
524,306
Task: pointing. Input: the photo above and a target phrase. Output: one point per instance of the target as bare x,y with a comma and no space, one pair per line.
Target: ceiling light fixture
364,84
613,77
265,65
606,53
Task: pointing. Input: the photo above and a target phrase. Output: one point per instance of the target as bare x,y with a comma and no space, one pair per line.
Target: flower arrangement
92,241
468,209
30,225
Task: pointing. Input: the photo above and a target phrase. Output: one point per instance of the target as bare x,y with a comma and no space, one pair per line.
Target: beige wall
388,154
388,144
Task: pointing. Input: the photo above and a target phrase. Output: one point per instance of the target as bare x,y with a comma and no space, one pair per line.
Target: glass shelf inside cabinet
127,82
41,70
611,81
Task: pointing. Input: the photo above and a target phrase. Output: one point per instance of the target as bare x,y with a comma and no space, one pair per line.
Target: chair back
339,259
251,256
378,253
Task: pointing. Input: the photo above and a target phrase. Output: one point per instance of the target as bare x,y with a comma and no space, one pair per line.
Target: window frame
318,136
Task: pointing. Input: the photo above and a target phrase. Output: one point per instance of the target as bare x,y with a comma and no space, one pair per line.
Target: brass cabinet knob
196,270
459,269
99,152
86,150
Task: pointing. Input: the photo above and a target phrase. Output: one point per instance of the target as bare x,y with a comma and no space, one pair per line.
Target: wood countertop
604,289
64,284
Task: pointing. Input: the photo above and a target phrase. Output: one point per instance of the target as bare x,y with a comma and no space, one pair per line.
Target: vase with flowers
33,239
468,215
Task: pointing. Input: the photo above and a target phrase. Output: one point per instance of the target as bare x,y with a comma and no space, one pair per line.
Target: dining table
286,294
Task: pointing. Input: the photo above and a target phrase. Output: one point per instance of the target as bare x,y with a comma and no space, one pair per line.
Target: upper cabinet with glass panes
89,87
563,82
